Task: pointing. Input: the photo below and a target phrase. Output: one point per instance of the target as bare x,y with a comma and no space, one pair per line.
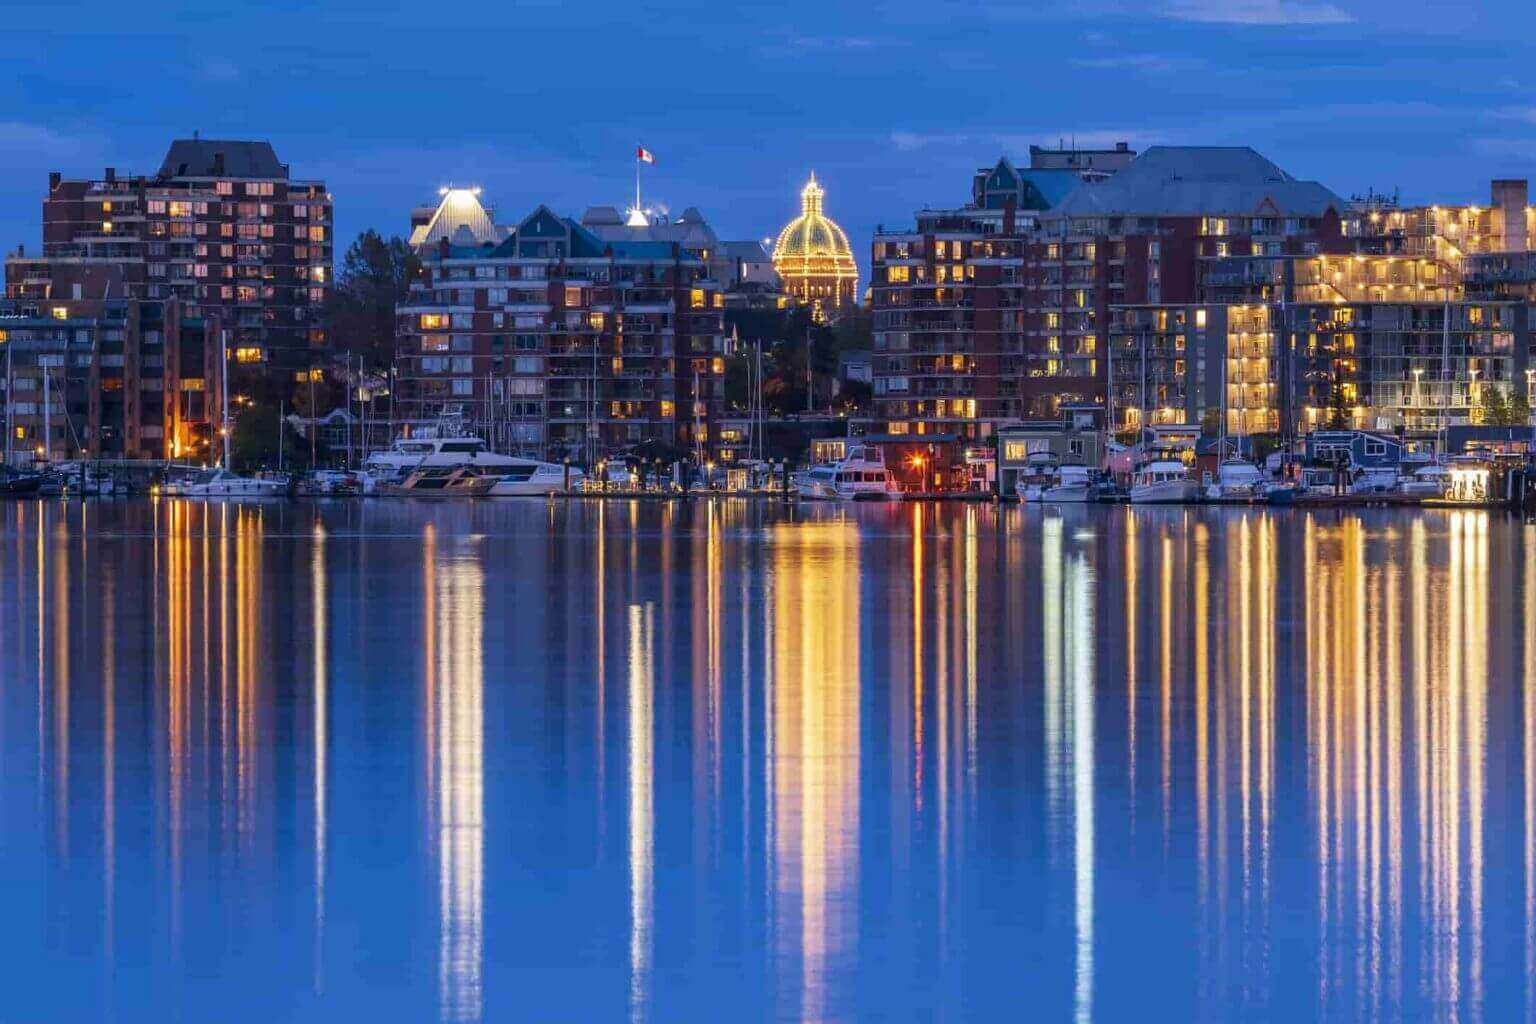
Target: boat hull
1173,492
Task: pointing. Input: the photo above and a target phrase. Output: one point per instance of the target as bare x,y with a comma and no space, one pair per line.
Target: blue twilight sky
892,103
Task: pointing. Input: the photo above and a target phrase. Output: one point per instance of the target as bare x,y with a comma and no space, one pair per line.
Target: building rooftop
208,158
460,218
1196,180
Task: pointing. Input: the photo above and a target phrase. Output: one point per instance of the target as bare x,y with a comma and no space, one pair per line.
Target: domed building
812,256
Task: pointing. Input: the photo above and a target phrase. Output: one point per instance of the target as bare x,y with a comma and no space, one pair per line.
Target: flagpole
637,176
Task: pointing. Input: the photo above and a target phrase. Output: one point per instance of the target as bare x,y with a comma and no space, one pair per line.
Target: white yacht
1163,482
1237,479
439,482
861,476
1074,483
531,478
1431,480
1041,472
440,448
221,483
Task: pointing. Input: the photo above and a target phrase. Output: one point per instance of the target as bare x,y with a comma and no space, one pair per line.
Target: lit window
106,227
573,296
433,321
248,354
60,313
696,298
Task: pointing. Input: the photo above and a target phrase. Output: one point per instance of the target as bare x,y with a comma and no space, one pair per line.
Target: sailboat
1237,479
221,481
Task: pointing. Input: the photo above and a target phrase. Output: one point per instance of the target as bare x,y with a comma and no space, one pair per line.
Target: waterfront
600,761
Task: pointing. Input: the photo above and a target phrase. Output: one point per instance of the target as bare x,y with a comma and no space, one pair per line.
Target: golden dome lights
812,255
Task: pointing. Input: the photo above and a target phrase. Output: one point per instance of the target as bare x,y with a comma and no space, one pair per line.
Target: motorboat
1074,483
16,484
1431,480
440,482
221,483
860,476
530,478
1237,480
330,483
444,445
1041,472
1163,482
1373,480
617,475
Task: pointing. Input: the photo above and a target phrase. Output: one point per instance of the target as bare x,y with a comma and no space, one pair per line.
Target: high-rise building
813,258
222,228
1417,327
1001,310
554,339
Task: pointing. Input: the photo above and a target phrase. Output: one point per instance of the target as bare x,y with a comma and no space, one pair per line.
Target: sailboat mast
224,427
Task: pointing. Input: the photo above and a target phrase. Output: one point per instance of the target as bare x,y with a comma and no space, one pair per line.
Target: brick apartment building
222,229
560,339
108,378
1002,310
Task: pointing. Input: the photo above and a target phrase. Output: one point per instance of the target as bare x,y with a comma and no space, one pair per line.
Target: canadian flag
644,155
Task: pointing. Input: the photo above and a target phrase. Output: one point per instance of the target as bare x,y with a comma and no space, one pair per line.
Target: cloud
1019,142
32,145
1257,12
219,70
906,142
799,46
1525,114
1146,63
1504,148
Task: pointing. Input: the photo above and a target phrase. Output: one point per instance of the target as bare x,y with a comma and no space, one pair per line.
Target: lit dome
812,254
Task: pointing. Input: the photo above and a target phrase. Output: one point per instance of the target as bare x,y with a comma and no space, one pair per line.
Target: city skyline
1345,97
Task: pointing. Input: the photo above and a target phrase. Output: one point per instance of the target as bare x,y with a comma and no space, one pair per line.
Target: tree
375,275
253,442
1499,408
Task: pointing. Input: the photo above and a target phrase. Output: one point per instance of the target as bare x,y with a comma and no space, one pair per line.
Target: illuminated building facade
1002,310
124,379
222,228
813,258
554,341
1289,367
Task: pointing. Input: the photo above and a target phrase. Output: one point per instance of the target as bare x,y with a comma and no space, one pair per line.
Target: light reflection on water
508,760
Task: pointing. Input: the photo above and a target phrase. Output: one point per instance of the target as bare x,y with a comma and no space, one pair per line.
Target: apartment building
1001,310
1413,331
114,378
555,340
222,229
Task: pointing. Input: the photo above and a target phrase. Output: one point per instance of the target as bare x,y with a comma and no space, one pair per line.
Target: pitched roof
1196,180
461,219
202,158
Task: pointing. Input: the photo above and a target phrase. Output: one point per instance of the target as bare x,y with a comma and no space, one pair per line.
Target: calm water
512,761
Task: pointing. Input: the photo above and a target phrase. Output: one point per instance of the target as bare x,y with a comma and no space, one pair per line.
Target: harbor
335,739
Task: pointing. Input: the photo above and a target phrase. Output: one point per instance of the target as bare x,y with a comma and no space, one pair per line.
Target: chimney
1510,196
54,177
111,175
1122,147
